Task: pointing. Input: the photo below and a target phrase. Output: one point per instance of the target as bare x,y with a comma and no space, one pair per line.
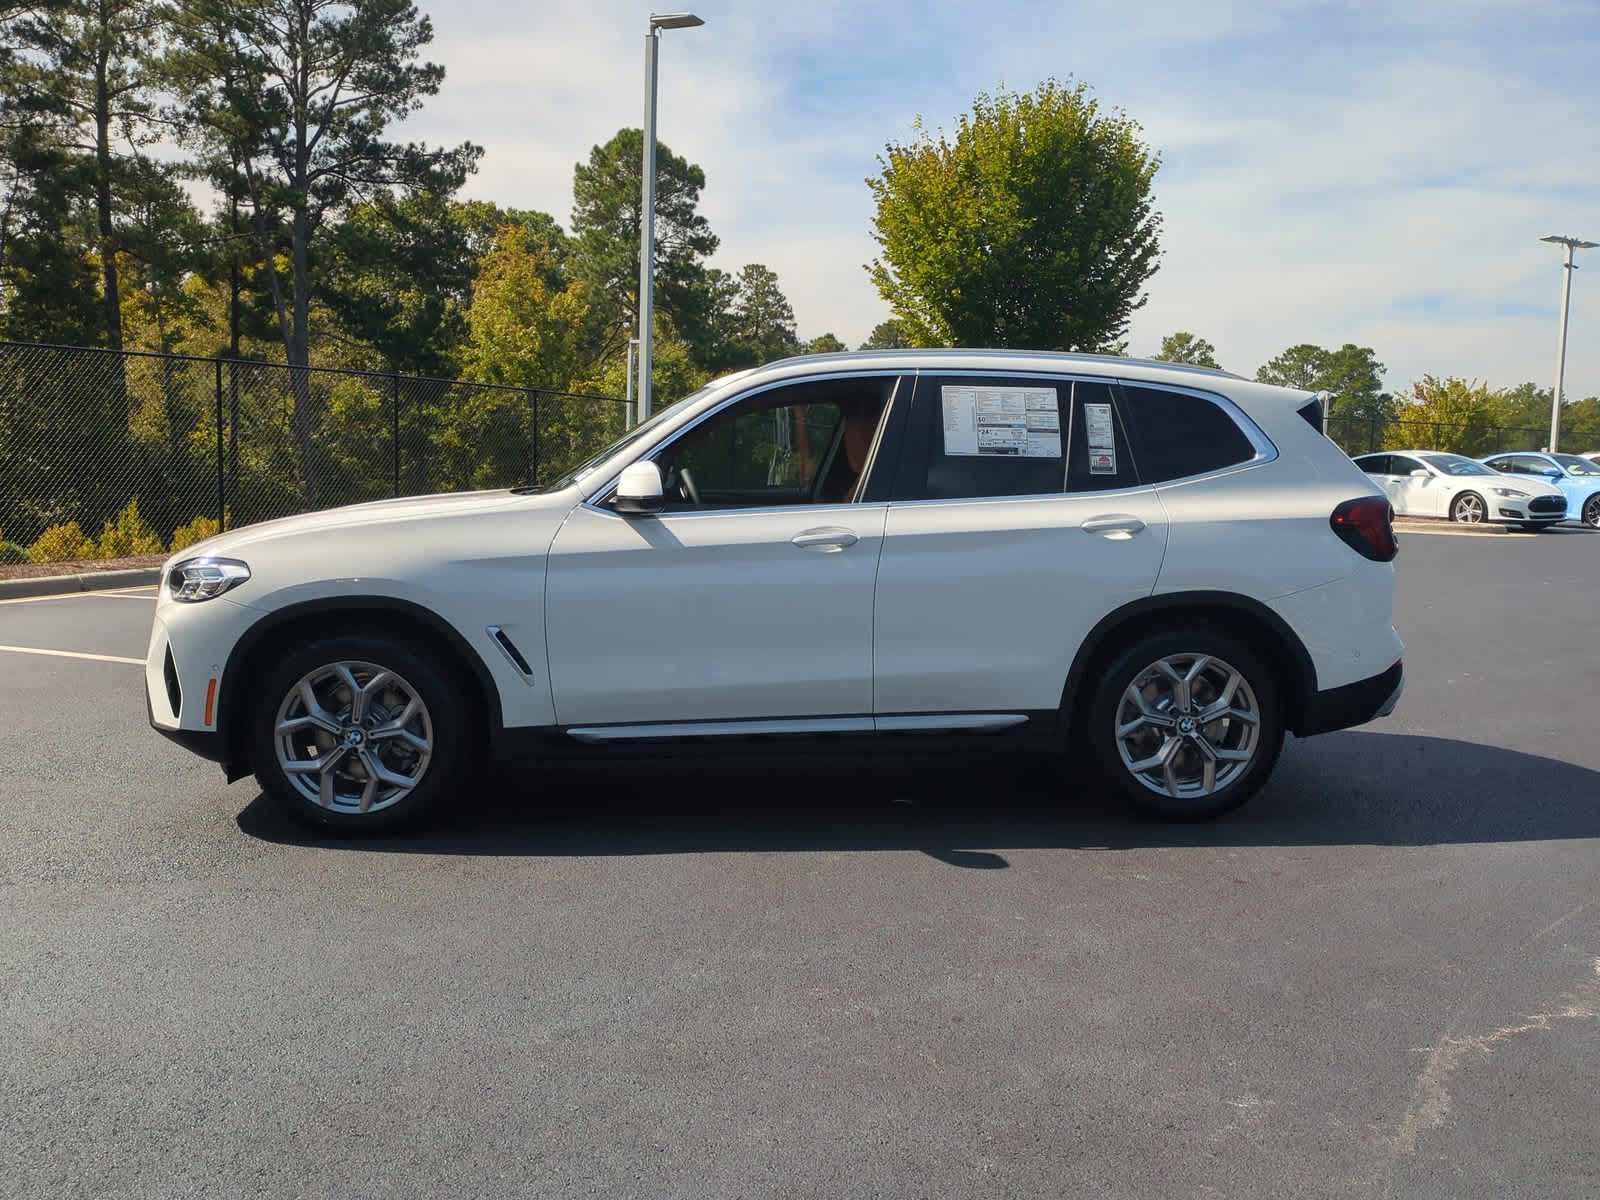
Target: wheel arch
385,612
1242,616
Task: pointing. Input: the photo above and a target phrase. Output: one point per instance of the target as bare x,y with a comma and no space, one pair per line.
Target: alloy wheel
1591,512
1187,726
353,737
1469,509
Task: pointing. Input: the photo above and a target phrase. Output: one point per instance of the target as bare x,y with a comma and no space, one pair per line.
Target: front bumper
1354,703
204,742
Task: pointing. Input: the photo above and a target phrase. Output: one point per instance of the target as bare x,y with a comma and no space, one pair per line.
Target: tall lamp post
1571,244
647,222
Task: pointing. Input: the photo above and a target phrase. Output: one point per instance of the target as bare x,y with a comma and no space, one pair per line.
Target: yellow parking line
110,593
116,658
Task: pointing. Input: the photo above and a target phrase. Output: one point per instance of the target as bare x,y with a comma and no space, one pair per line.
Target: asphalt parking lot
956,978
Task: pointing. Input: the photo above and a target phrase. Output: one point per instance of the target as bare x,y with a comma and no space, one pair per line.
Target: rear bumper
1354,703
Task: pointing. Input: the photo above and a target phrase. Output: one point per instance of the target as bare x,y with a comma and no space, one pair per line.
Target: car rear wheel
1187,724
1591,512
1468,509
359,732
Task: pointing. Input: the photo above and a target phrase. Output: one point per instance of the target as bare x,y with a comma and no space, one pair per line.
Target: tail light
1367,527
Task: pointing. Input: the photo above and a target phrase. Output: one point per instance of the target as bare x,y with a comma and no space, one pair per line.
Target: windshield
1577,466
626,440
1454,464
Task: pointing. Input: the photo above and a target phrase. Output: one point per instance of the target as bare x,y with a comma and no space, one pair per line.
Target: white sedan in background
1430,483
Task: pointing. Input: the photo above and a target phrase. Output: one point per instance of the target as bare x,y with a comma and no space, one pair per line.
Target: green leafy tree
303,94
397,275
1184,347
1033,227
524,335
887,335
1299,367
607,216
1351,375
79,74
825,343
1526,406
762,320
1580,425
1445,414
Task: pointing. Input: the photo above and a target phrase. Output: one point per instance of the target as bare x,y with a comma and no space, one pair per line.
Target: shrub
61,543
129,534
10,552
197,530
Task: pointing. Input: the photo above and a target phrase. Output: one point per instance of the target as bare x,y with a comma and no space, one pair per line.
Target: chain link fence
1359,435
85,432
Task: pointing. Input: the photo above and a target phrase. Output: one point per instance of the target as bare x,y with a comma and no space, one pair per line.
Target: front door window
808,443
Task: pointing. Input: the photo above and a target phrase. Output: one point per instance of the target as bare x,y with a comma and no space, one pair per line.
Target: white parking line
148,591
116,658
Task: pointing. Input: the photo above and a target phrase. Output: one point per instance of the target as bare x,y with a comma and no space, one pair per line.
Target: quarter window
1176,435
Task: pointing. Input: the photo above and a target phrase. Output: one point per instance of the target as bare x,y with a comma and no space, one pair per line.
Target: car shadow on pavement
1352,788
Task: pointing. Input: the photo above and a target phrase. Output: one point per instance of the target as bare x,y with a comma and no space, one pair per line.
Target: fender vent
509,649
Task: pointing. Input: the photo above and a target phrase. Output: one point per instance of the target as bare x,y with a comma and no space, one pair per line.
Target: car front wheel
1468,509
1187,724
358,732
1591,512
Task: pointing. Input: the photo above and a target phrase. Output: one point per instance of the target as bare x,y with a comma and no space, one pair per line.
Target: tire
1469,509
1591,511
378,783
1112,708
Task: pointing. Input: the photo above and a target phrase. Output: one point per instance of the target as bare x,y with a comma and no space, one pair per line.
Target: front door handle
828,539
1116,526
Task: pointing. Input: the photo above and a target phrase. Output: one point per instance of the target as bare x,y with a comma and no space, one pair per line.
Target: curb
1449,528
66,585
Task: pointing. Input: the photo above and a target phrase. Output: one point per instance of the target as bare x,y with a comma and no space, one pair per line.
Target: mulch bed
34,570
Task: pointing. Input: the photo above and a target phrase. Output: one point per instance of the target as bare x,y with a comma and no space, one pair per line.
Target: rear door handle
828,539
1116,526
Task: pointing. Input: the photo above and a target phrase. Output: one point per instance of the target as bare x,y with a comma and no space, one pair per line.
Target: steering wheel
687,480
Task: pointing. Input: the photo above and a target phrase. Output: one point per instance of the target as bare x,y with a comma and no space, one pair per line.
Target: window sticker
1097,418
1001,422
1102,462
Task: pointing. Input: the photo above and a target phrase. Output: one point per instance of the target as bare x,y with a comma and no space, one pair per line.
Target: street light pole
1571,244
628,419
647,212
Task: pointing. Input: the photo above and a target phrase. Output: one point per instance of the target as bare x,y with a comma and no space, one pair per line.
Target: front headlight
1510,493
197,579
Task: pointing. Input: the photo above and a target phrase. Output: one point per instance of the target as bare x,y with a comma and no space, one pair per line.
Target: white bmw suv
1161,568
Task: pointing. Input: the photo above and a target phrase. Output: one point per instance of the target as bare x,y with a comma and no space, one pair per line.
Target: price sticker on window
1001,422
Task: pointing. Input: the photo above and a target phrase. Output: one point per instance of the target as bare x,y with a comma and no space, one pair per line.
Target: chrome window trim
597,499
1265,449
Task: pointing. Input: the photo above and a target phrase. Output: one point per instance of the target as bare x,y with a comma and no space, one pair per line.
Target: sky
1331,172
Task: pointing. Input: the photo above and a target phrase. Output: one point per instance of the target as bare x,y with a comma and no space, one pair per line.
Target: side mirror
1419,473
639,490
1553,473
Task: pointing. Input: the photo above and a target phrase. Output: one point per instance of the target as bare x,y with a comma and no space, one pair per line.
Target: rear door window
1374,464
1400,465
1176,435
982,437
